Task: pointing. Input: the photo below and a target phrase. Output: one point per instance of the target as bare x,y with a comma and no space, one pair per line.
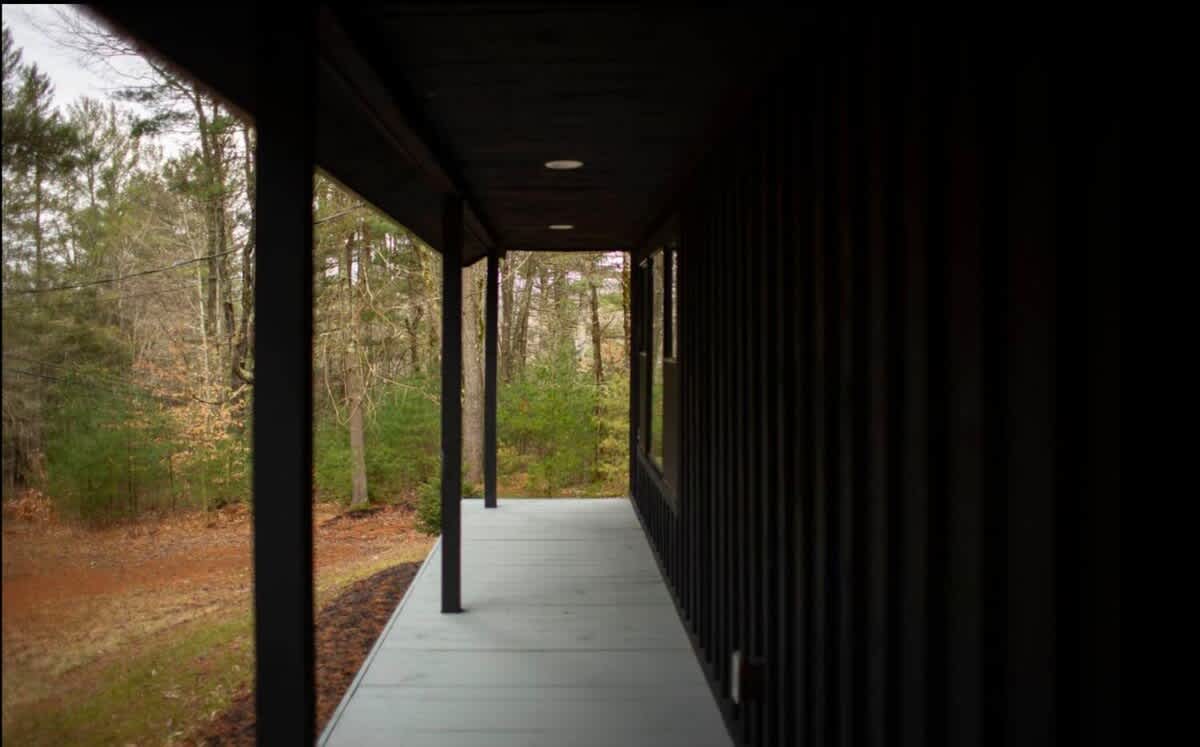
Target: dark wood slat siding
898,366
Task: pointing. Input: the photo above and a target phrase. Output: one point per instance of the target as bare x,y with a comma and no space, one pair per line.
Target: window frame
661,370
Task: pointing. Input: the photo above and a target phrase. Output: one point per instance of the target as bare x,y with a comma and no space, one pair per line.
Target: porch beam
395,111
282,456
489,378
452,369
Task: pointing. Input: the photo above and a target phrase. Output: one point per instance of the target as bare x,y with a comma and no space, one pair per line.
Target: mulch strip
346,628
353,515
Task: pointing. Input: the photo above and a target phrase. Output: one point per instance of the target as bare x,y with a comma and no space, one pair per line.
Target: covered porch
482,130
570,637
875,365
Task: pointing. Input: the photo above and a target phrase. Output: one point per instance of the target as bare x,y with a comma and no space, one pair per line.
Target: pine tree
40,149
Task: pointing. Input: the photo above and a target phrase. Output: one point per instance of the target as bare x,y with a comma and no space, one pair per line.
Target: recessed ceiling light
561,227
564,165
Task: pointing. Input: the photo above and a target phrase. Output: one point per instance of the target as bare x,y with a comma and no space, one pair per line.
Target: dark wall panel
899,394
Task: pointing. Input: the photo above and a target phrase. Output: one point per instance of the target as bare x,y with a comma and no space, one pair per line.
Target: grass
155,696
328,585
180,678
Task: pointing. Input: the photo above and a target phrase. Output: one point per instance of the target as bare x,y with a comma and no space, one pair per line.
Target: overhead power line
115,385
30,302
105,281
75,371
129,393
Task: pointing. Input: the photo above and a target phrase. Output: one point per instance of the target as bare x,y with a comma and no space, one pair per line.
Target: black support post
282,457
489,379
452,367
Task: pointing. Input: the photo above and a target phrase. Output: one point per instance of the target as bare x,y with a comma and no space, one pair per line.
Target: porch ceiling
419,99
629,91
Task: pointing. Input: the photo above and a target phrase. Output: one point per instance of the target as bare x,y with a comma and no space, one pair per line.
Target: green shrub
404,437
107,452
429,507
403,444
547,418
217,475
554,426
331,460
429,503
509,460
612,425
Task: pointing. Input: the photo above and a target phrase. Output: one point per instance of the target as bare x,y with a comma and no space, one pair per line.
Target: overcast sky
32,29
70,77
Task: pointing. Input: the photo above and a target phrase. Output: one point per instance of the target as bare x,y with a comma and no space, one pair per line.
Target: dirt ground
75,599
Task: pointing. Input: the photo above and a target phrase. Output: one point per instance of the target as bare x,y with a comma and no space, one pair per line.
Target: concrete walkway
569,638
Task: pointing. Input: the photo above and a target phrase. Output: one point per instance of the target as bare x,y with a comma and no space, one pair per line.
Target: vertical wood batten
890,129
282,455
492,323
877,581
820,376
838,507
995,140
764,495
748,407
1095,688
796,412
936,413
913,296
452,368
963,365
740,489
1033,449
859,404
774,515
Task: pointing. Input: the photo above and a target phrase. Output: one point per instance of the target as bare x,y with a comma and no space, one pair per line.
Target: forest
128,320
128,338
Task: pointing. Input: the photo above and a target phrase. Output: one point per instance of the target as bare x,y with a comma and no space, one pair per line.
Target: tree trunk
566,322
597,360
211,282
244,338
506,317
434,359
37,227
472,377
521,340
415,286
412,326
38,386
358,462
625,259
358,456
220,318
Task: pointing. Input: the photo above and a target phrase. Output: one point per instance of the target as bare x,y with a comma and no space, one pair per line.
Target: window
657,352
659,416
673,353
